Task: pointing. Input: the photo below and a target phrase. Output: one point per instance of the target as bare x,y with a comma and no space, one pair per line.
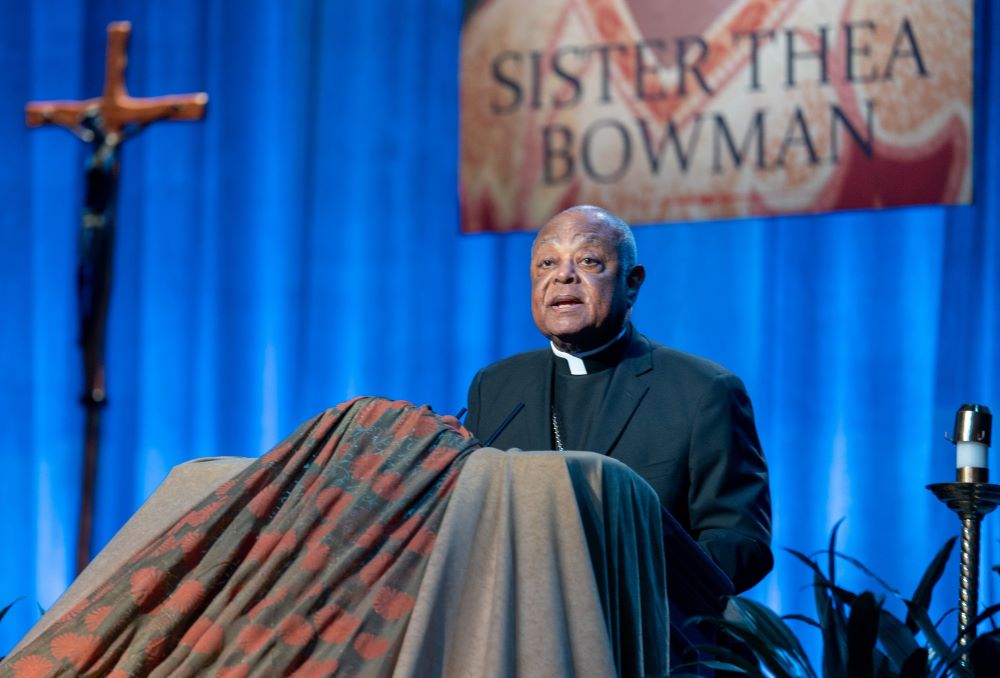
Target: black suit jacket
683,423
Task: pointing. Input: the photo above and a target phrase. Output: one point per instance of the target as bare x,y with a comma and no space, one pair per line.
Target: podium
544,564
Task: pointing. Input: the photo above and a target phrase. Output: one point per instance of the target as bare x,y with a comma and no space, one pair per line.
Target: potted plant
860,637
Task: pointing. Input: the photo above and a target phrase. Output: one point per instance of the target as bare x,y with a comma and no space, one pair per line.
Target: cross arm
63,113
146,110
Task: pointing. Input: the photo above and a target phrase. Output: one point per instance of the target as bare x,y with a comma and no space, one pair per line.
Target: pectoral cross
104,123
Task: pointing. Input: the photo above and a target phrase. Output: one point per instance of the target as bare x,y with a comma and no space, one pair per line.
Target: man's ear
633,281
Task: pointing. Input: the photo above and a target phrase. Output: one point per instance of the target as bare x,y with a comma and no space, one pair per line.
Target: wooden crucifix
104,123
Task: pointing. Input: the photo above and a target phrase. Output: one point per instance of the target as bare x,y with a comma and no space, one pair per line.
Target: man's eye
547,263
590,261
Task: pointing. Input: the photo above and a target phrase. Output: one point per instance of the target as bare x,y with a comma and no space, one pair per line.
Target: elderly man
681,422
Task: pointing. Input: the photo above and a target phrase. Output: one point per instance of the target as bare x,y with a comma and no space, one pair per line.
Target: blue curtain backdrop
301,246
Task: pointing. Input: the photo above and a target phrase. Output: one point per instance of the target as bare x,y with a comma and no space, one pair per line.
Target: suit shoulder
690,367
519,362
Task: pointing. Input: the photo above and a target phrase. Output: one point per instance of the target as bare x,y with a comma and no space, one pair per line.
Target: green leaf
721,666
843,595
951,666
802,618
861,566
4,611
810,563
983,665
986,614
834,629
883,667
937,644
862,634
776,661
831,559
726,655
898,641
932,575
915,665
772,628
947,613
831,565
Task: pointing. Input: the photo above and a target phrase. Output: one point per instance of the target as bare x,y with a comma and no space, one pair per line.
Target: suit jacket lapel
626,391
538,411
531,428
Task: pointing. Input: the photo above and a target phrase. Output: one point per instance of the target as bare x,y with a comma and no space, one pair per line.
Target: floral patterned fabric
305,564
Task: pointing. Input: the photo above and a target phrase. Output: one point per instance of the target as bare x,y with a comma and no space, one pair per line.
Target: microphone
503,425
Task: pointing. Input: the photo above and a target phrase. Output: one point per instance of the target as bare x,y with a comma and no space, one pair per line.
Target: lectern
539,563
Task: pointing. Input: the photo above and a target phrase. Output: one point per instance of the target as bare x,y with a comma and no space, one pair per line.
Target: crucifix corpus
104,123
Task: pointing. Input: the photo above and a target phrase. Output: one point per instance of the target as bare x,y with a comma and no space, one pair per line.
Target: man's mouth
564,301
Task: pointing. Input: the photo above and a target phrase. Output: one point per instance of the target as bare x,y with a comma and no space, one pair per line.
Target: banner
677,110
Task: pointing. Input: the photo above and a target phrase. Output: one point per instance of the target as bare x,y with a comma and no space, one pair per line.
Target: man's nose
566,272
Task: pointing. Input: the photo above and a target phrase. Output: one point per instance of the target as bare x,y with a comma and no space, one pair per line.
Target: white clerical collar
575,360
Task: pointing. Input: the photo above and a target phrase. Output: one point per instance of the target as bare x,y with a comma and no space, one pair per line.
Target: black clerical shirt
577,399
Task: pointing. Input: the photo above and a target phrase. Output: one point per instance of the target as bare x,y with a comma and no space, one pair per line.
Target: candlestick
971,497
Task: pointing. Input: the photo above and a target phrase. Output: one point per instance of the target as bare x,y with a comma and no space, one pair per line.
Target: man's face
579,295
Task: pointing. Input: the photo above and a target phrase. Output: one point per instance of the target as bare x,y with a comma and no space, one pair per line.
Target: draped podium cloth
185,486
546,564
378,540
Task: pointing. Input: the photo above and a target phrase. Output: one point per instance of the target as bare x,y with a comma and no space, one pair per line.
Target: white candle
970,454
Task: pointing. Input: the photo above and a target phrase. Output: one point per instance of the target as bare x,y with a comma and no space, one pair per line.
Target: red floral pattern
305,564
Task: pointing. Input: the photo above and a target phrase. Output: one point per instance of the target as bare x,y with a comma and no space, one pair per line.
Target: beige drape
546,564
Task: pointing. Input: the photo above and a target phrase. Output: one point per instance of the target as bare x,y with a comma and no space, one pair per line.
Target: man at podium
683,423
